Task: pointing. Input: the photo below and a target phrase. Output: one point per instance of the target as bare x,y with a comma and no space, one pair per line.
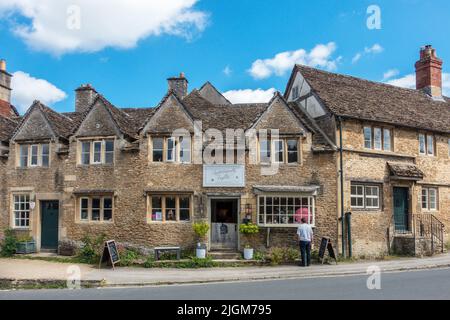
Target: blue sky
127,53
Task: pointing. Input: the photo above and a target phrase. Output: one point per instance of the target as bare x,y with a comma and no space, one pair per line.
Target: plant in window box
249,229
25,245
201,230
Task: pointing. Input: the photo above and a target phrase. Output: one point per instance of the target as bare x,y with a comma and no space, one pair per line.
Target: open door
224,223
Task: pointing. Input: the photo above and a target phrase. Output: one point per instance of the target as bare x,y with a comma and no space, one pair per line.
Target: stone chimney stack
429,72
6,109
179,85
84,97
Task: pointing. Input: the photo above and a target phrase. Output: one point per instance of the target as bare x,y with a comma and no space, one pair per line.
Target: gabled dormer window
96,152
34,155
171,149
283,150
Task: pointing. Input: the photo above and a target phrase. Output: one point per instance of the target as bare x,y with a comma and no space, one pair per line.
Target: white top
305,232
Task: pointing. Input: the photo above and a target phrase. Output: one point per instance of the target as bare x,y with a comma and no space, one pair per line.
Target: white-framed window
96,208
285,150
34,155
426,144
21,210
185,149
278,151
372,197
171,149
169,208
357,196
97,152
282,211
377,138
365,196
429,199
264,151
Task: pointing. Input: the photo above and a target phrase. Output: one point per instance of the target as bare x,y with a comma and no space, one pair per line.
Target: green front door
49,224
401,209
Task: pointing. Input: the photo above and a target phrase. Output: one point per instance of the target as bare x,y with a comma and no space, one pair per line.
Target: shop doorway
224,223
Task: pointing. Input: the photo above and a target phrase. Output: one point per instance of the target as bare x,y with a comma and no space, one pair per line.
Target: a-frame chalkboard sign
110,254
324,246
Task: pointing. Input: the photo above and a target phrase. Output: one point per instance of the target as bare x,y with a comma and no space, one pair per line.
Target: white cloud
356,58
375,49
320,56
390,74
409,81
249,95
62,26
26,89
227,71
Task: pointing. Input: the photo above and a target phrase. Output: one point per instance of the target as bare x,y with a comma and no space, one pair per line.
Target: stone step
224,255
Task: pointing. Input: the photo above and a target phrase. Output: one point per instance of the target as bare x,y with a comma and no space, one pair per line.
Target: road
427,284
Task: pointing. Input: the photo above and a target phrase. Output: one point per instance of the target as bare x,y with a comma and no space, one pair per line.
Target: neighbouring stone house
142,176
395,152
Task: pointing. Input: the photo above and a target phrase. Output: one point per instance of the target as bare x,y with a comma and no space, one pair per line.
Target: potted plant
201,230
26,245
248,229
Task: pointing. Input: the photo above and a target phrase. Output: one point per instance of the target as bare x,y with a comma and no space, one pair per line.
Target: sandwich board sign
326,245
110,255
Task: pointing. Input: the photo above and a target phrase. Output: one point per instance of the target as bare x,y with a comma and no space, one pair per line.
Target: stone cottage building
142,176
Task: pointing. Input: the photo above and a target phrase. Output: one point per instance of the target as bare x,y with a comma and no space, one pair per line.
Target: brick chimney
429,72
84,97
6,109
179,85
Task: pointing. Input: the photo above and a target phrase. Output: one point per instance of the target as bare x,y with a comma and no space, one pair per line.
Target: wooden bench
159,250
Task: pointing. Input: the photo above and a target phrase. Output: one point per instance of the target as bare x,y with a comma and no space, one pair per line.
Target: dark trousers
305,252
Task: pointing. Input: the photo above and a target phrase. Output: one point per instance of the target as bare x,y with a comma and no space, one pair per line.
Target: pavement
23,270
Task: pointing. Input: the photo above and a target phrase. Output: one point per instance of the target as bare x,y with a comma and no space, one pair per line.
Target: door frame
41,208
409,205
238,222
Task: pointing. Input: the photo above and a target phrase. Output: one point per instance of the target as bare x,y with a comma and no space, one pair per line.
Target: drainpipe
341,172
348,219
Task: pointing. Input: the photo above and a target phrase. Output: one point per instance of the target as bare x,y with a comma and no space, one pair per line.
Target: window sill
279,225
96,165
95,222
168,222
22,228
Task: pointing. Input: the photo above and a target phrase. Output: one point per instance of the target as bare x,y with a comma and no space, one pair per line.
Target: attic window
35,155
97,152
295,92
426,144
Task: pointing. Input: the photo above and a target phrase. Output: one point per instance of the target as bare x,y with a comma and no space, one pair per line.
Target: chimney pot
429,72
2,65
179,85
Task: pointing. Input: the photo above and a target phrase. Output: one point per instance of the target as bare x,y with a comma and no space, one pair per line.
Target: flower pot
248,253
26,247
200,253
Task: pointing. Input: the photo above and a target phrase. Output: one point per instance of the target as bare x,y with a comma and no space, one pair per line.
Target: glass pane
109,145
107,215
368,137
184,215
185,149
170,149
96,214
264,146
85,152
158,149
84,214
430,145
170,209
97,152
387,139
377,138
422,143
184,202
23,155
157,209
